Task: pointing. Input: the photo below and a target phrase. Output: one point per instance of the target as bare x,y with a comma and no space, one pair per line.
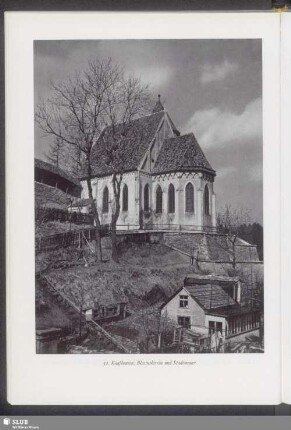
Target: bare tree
126,101
155,326
228,223
55,151
86,110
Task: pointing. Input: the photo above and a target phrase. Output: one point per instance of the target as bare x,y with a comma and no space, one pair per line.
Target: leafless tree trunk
55,151
126,101
228,223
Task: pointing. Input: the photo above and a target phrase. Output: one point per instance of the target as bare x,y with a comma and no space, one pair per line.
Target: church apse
160,158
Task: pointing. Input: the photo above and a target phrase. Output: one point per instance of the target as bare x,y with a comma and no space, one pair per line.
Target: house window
159,200
171,199
146,198
189,198
214,326
183,301
184,322
206,200
105,205
125,198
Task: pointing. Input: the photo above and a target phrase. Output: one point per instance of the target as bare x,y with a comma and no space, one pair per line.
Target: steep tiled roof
132,147
158,106
80,284
181,153
210,296
43,165
48,196
211,279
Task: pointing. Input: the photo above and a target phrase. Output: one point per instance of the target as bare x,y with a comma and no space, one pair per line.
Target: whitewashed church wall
136,214
179,180
145,216
127,219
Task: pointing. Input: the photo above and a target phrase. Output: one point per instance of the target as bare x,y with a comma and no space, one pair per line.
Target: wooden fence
71,238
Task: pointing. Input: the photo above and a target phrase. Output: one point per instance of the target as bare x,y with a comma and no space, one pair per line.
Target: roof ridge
56,170
181,136
133,120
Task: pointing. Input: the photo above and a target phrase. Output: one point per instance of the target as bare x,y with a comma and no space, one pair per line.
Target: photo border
101,410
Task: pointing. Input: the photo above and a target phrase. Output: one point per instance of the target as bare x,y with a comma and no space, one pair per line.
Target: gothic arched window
189,198
146,198
105,201
159,200
171,199
125,198
206,200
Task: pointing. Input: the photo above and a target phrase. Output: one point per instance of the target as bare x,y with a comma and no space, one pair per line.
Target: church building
167,181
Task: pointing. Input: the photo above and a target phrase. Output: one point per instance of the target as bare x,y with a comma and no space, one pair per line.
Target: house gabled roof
43,165
47,196
210,279
181,153
139,134
81,286
210,296
207,292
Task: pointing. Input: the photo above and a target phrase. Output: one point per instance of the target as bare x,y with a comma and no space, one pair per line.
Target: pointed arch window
105,200
171,199
189,198
206,200
125,198
146,198
159,200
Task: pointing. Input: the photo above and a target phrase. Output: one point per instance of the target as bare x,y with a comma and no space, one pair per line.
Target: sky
212,88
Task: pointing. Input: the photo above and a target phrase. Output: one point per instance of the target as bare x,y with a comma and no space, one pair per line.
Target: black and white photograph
148,175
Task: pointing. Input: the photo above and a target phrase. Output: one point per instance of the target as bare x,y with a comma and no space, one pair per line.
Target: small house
209,304
107,306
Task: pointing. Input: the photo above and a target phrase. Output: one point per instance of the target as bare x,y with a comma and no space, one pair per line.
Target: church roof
181,153
158,106
132,148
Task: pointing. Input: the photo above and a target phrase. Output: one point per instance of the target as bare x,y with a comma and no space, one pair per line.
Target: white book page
286,203
83,379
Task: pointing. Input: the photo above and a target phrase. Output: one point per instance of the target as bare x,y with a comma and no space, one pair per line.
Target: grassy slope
142,268
146,274
55,227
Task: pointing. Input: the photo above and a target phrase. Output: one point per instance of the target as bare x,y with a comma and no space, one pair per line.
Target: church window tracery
206,200
189,198
171,199
105,201
125,198
146,198
159,200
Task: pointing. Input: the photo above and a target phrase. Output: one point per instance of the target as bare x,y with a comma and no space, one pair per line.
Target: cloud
217,72
217,128
154,76
226,171
255,173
